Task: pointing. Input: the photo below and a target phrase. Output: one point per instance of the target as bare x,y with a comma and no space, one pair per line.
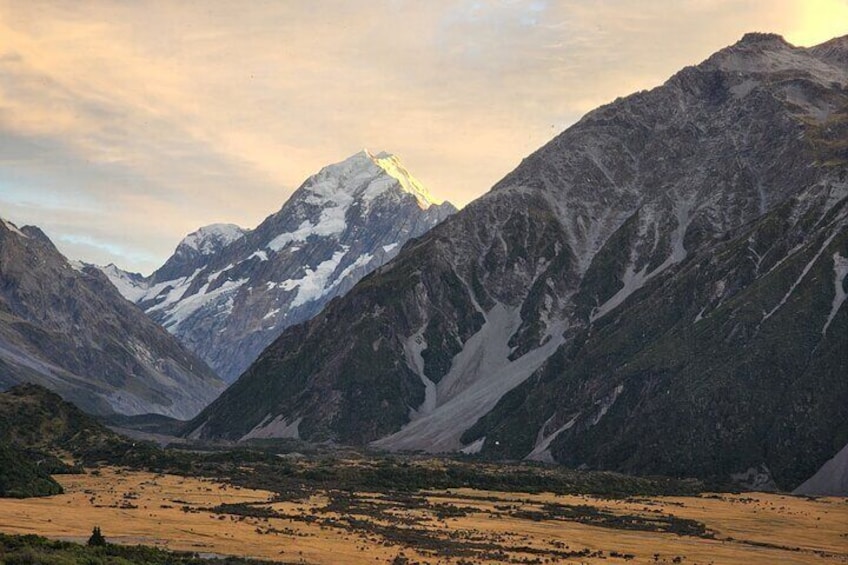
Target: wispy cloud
124,125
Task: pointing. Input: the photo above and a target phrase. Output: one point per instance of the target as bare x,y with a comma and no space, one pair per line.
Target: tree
96,538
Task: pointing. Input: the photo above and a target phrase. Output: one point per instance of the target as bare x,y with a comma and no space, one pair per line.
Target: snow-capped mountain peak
212,238
365,175
227,293
393,167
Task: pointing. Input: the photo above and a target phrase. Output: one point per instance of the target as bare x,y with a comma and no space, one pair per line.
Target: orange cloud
188,113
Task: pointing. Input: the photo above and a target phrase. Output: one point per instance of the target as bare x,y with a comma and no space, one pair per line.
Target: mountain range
65,327
658,290
227,293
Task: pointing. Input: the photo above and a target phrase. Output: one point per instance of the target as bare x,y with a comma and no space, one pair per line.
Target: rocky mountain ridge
227,293
65,327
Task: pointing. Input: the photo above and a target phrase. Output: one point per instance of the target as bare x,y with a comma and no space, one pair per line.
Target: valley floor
456,526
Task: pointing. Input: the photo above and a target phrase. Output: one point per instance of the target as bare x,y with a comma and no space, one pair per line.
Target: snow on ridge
318,282
361,177
178,288
361,261
129,288
209,239
393,167
191,304
79,266
332,222
369,175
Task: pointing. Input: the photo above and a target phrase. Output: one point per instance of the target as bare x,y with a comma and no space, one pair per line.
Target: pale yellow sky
125,125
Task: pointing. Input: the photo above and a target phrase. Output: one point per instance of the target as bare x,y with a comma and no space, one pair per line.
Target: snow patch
389,247
331,222
260,254
214,276
840,270
314,284
191,304
178,288
361,261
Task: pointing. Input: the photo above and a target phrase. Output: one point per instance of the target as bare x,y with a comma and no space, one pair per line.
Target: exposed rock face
660,289
65,327
227,293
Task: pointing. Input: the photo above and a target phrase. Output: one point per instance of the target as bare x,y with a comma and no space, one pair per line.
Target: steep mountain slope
228,293
71,331
660,289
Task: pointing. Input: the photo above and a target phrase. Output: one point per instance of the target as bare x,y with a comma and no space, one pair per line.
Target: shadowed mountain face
65,327
227,293
659,289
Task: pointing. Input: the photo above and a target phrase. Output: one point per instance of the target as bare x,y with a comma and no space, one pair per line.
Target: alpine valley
658,290
227,293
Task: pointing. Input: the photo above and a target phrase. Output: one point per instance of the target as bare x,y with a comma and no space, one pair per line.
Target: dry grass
441,527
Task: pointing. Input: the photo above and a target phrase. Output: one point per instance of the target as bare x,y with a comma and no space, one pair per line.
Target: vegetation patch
27,550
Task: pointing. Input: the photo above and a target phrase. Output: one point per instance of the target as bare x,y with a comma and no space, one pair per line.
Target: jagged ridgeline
64,326
227,293
659,289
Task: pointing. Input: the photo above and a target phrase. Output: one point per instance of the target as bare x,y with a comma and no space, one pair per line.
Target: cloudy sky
125,125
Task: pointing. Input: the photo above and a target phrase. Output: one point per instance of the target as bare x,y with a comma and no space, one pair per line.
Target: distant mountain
64,326
191,254
227,293
659,289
